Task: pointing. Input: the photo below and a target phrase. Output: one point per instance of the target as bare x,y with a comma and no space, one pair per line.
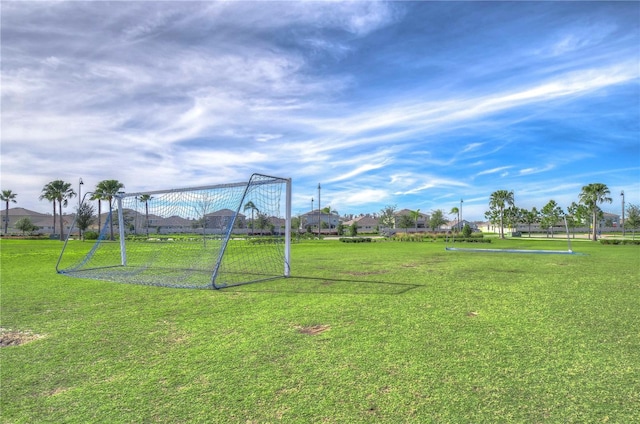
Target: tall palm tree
109,189
415,215
590,196
7,196
61,192
47,193
456,212
531,217
252,206
499,200
145,199
97,195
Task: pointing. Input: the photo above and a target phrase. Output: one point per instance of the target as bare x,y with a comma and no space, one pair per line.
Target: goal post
203,237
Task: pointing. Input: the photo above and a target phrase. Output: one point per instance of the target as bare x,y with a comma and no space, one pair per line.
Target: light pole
622,222
319,213
311,215
80,183
460,215
135,221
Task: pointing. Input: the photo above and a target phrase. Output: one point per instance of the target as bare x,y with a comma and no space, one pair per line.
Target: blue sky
413,104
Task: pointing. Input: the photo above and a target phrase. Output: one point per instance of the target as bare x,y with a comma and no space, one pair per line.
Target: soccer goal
569,250
205,237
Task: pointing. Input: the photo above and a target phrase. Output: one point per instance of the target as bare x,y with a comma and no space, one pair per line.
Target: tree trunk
61,221
146,212
595,219
54,216
6,219
111,219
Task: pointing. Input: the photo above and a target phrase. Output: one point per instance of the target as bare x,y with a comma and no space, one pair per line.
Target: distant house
222,218
315,217
609,220
43,221
456,225
365,223
421,223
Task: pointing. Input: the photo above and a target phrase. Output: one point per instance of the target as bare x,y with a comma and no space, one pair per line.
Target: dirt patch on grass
313,330
10,337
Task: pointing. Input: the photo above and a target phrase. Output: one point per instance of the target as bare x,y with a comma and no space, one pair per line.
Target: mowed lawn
371,332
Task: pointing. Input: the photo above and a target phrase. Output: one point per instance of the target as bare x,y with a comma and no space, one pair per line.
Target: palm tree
455,211
97,195
329,211
7,196
415,215
252,206
47,193
108,190
61,192
590,196
145,199
499,200
530,217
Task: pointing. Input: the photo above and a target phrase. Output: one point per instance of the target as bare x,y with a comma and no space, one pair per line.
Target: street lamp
460,215
135,221
319,212
622,222
80,183
311,215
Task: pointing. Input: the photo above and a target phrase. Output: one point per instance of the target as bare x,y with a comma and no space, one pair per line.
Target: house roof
363,221
173,221
409,212
224,212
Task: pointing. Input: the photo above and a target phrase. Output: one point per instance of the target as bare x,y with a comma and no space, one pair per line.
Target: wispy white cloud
471,147
494,170
367,97
529,171
429,182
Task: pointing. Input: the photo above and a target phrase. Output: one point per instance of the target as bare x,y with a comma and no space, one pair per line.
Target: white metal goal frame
125,269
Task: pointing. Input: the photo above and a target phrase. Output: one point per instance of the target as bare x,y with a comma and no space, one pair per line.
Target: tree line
59,192
502,209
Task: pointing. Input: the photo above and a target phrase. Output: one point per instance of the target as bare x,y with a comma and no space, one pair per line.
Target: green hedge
614,241
459,236
420,237
472,240
355,239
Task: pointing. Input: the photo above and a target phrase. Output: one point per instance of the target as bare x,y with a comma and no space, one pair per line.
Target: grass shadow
324,285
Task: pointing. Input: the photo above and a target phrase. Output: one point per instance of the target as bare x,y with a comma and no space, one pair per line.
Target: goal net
204,237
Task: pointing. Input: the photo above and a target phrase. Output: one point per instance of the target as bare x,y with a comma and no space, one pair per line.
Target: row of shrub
37,236
355,239
413,237
615,241
429,237
459,236
472,240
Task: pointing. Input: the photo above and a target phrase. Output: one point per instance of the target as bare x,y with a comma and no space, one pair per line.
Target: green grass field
369,332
